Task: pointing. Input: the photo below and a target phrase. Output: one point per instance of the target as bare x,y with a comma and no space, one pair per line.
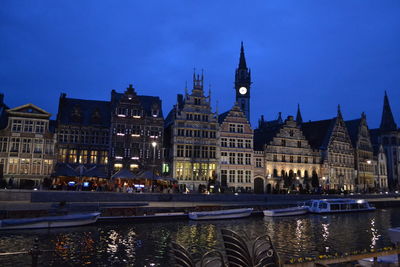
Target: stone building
136,132
236,150
363,153
27,144
290,161
380,169
388,135
82,139
192,138
332,139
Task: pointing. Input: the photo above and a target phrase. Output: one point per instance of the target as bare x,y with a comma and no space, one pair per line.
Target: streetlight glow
154,144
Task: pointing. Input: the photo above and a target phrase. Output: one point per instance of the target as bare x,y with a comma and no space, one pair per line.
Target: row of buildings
126,136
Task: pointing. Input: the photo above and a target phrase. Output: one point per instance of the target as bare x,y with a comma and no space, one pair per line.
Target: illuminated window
25,166
83,156
117,166
72,156
133,166
93,157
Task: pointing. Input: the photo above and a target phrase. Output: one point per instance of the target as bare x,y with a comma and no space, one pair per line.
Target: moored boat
337,205
292,211
220,214
394,234
50,221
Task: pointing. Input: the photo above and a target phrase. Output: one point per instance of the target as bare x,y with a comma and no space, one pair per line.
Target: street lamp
154,144
368,162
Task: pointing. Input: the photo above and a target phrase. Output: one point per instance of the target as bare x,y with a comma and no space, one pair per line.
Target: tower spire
242,59
299,118
387,122
339,112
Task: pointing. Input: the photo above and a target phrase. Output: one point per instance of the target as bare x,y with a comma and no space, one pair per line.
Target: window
275,158
83,156
36,164
298,143
258,163
291,159
231,158
38,146
240,176
196,133
180,151
26,145
283,159
72,156
189,116
197,101
205,117
298,159
231,142
248,143
240,158
205,134
224,142
47,166
189,133
232,128
224,157
213,134
103,157
25,166
62,155
3,144
240,128
93,157
248,159
39,127
231,176
14,145
16,125
248,177
305,160
291,132
196,153
240,143
188,151
117,166
204,152
283,142
28,126
49,147
212,152
13,166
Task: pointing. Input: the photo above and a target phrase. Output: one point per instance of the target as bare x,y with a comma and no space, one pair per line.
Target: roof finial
242,59
299,118
339,112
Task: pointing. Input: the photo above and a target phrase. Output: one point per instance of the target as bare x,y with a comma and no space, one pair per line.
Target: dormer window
197,101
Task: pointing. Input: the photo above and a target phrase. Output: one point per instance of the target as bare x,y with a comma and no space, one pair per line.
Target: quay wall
82,196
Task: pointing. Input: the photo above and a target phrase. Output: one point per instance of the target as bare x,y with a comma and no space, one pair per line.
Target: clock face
242,90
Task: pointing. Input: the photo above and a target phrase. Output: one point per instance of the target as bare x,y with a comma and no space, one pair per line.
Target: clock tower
242,84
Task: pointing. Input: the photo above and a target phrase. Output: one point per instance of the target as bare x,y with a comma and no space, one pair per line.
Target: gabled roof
29,110
263,136
387,121
86,109
318,132
353,127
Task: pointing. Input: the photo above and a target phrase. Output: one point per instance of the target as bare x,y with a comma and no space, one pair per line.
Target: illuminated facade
27,146
290,161
136,132
192,138
236,151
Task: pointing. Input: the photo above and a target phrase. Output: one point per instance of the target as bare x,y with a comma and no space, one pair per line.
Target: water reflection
146,244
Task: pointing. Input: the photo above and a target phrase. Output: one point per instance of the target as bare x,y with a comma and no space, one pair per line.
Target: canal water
146,244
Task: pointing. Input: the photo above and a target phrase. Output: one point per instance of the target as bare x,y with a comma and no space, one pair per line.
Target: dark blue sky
318,53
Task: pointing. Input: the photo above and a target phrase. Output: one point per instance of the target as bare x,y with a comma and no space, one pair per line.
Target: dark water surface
146,244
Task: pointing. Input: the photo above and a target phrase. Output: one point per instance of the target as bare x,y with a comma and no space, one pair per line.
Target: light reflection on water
146,244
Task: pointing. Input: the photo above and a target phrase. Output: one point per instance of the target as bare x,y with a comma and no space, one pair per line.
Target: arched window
298,173
282,173
305,174
275,173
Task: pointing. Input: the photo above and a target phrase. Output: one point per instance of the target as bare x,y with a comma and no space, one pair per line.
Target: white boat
390,260
50,221
337,205
292,211
220,214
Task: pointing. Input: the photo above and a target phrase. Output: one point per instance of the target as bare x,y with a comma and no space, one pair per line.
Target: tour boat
50,221
292,211
337,205
220,214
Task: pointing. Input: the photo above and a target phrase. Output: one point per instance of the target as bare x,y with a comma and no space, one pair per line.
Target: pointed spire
299,118
280,117
339,112
242,60
387,122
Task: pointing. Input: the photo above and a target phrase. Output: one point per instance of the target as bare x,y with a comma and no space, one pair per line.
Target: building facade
337,153
82,139
137,129
236,150
192,139
363,153
27,147
290,161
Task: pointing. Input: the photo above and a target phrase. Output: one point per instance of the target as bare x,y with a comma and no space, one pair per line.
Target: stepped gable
145,101
266,133
353,127
318,132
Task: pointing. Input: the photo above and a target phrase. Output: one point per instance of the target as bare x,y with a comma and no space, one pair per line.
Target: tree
315,180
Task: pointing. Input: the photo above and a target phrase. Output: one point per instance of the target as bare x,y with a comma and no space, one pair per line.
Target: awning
64,169
169,179
96,171
148,175
124,174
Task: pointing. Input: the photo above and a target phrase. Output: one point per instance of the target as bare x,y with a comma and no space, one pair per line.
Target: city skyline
347,58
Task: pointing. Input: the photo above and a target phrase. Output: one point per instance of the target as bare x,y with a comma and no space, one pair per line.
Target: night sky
318,53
